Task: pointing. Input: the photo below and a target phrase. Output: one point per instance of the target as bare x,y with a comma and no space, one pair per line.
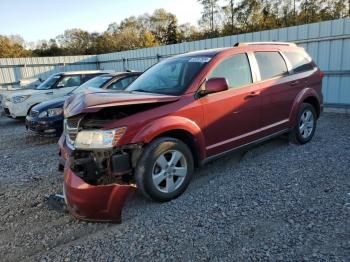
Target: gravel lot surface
274,202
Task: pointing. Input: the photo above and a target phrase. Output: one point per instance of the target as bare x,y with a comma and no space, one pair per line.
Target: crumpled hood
93,102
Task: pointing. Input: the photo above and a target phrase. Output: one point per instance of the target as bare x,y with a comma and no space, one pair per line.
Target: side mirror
59,86
215,85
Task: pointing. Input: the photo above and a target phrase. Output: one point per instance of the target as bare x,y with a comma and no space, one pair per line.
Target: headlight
19,99
51,112
99,139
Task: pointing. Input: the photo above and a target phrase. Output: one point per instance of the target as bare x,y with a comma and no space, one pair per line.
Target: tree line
219,18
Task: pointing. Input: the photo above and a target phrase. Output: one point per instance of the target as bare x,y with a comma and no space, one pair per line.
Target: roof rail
264,43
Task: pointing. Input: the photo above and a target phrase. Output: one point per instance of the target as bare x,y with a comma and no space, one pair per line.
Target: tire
302,135
164,169
60,168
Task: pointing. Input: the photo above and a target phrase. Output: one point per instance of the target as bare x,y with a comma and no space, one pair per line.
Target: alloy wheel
169,171
306,124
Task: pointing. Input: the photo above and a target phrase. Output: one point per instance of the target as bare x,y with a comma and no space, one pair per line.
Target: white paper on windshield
200,59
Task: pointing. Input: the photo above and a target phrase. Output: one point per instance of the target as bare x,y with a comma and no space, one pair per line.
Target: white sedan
17,104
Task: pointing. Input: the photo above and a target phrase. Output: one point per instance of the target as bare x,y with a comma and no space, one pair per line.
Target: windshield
96,82
170,77
48,83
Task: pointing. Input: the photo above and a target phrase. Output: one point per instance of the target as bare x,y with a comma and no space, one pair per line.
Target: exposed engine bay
103,167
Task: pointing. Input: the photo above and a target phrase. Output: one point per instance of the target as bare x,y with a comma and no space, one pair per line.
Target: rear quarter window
300,62
271,64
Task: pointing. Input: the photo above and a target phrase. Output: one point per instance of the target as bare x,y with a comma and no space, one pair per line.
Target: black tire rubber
60,168
143,172
295,136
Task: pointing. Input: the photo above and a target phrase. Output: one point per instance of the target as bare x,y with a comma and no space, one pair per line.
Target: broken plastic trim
56,202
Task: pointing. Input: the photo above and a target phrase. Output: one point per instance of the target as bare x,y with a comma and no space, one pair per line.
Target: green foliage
12,47
210,17
219,18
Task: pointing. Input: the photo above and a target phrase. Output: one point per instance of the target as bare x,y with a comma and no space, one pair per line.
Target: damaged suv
180,114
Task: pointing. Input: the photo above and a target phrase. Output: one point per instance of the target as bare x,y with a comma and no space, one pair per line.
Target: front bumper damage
96,189
94,203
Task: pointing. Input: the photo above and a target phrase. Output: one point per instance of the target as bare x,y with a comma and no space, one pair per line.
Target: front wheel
305,125
165,169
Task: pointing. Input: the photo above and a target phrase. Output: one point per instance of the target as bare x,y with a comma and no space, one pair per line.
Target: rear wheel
305,126
165,169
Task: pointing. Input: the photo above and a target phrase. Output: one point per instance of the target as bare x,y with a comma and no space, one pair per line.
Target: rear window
299,61
271,64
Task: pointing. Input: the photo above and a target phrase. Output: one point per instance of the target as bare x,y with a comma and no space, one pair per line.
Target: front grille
33,113
71,128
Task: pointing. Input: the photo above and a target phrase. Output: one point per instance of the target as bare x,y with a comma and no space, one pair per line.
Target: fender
170,123
303,94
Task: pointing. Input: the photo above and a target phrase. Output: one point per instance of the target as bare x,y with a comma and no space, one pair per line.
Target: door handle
252,94
49,93
294,83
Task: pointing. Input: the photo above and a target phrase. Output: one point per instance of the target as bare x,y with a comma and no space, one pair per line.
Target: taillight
321,74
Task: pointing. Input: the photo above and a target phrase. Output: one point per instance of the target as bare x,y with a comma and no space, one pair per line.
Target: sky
44,19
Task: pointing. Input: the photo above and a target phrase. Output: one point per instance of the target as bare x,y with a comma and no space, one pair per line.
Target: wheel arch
307,95
180,128
312,100
30,108
187,138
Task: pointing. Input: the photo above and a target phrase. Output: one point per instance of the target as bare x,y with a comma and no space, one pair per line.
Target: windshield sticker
200,59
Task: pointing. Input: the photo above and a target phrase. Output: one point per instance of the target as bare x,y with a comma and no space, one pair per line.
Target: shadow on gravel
26,141
209,171
7,121
203,175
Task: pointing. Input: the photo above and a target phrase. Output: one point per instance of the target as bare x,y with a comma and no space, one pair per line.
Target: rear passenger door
233,116
278,90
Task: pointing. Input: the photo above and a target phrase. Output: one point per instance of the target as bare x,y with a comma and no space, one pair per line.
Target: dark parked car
180,114
47,118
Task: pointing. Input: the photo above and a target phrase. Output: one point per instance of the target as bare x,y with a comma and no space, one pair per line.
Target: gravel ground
275,202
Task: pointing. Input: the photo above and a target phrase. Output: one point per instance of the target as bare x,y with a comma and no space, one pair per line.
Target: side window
271,64
300,63
123,83
69,81
235,69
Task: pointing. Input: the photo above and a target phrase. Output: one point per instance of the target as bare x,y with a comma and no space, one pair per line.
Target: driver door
233,116
66,84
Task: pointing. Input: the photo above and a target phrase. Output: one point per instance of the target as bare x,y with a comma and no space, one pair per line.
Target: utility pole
295,18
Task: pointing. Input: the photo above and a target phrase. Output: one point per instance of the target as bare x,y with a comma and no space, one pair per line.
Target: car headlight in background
19,99
51,112
99,139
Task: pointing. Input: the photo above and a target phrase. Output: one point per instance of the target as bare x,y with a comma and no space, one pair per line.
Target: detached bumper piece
94,203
